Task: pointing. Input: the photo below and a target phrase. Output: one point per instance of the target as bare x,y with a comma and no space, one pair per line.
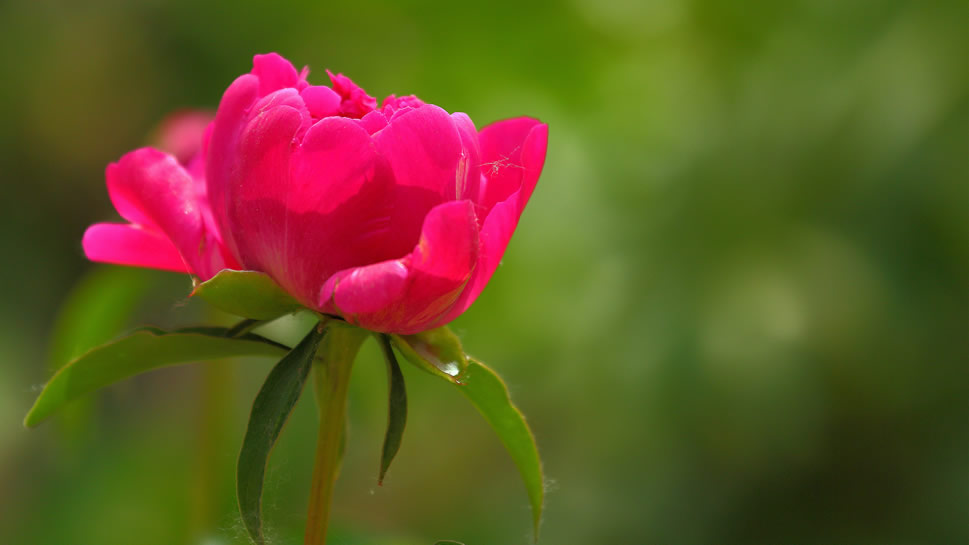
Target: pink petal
274,73
392,104
501,156
223,145
424,149
258,183
131,245
373,122
339,210
407,295
468,176
153,191
321,101
502,219
356,102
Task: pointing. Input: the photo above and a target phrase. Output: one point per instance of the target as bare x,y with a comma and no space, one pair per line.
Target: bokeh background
735,311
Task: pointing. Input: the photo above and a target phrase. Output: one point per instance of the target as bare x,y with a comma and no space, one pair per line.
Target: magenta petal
163,194
258,185
321,100
373,122
407,295
223,144
131,245
502,219
335,159
424,149
469,167
356,102
501,155
274,72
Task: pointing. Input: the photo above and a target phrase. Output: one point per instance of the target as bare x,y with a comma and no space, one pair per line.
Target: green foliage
439,352
136,353
270,411
396,407
249,294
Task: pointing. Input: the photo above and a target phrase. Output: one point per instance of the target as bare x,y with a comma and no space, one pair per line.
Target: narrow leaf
439,352
97,309
489,394
270,411
397,408
249,294
141,351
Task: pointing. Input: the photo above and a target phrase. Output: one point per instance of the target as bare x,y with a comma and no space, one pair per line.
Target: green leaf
397,408
439,352
270,411
489,394
436,351
141,351
97,309
249,294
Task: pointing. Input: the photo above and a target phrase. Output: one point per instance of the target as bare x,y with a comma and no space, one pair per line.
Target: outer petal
221,166
257,187
154,191
339,208
503,164
407,295
131,245
468,175
424,148
502,219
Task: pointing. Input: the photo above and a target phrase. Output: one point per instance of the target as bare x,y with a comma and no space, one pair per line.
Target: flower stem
331,378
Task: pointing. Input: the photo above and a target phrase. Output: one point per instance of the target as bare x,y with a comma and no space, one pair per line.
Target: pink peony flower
394,217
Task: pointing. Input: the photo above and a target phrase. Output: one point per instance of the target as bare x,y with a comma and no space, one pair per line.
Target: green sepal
270,411
396,407
140,351
439,352
436,351
249,294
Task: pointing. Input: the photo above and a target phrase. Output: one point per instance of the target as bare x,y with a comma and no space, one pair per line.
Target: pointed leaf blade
270,411
141,351
439,353
397,408
489,394
249,294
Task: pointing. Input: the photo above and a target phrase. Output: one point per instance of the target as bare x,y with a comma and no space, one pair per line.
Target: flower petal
152,190
502,219
230,119
502,146
258,183
407,295
424,149
356,102
321,101
274,73
468,175
131,245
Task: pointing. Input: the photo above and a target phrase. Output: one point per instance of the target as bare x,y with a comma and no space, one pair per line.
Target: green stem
331,378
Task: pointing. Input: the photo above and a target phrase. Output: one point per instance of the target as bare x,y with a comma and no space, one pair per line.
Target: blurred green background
735,310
